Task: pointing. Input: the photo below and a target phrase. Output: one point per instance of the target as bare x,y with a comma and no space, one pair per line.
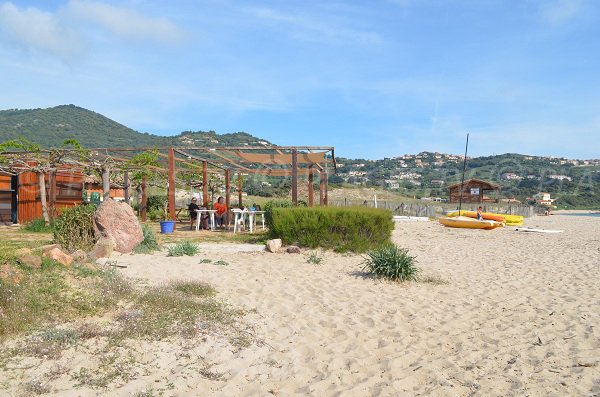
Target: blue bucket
167,227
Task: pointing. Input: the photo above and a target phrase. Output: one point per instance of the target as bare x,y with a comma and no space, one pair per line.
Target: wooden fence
435,209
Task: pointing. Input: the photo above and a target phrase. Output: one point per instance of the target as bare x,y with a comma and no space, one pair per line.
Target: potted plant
167,226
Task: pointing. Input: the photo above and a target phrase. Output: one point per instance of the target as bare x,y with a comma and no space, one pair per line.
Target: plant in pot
166,225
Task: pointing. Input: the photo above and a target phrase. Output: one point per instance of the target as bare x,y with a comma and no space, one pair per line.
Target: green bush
183,248
38,226
356,229
156,202
74,229
149,243
268,208
392,262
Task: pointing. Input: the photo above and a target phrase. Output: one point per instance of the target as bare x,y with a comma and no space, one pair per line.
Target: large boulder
117,220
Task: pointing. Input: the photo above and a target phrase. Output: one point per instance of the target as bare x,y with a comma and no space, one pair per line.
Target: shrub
149,243
392,262
74,229
270,205
183,248
156,202
356,229
38,226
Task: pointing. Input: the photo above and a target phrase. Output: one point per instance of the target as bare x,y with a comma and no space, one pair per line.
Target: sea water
594,214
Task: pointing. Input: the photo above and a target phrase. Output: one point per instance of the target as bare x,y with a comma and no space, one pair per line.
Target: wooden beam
311,191
126,186
227,190
205,184
144,206
52,193
240,190
106,182
323,189
171,189
295,177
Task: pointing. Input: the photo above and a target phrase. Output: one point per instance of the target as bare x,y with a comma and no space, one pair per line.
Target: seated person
194,215
221,214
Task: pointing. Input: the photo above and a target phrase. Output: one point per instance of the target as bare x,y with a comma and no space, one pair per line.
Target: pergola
276,161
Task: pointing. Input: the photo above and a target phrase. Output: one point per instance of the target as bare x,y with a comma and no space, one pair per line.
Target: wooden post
323,188
106,182
240,190
126,186
42,188
171,190
227,190
144,206
52,195
205,184
295,177
311,190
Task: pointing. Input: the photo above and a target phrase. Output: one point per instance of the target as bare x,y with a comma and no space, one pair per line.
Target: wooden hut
93,184
473,191
20,194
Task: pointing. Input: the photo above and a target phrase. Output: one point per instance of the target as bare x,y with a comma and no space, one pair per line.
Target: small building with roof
473,191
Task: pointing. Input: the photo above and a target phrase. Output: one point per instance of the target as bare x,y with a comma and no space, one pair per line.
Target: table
212,218
241,215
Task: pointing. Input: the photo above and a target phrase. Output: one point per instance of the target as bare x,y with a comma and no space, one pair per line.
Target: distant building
472,191
437,182
560,177
511,176
543,198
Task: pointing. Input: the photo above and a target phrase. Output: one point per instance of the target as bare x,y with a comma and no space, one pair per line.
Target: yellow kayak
465,222
510,220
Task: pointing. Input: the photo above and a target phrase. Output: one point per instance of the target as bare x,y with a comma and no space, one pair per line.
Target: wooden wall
6,195
69,186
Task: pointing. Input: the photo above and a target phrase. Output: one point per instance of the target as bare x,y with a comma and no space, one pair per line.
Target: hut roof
484,184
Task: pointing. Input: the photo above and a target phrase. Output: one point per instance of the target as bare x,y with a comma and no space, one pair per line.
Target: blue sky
372,78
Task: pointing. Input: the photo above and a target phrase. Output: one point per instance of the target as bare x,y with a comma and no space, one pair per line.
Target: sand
519,315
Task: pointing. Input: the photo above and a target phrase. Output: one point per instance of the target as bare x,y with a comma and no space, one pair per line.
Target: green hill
52,126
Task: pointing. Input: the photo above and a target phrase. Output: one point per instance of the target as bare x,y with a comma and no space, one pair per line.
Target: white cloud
37,30
559,11
127,23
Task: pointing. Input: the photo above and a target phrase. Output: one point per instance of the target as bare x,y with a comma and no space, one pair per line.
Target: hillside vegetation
52,126
575,183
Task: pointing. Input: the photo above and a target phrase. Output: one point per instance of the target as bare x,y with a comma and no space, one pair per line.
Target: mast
463,177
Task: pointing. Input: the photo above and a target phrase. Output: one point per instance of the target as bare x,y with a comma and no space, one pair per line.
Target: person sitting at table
221,214
193,214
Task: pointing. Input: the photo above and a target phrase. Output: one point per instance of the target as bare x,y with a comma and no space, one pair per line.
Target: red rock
59,256
117,220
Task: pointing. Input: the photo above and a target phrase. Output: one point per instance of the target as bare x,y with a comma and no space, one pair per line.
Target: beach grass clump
38,226
355,229
149,244
391,262
272,204
55,293
314,258
74,229
183,248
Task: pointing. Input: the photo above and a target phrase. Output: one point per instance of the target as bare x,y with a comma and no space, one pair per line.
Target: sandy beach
518,314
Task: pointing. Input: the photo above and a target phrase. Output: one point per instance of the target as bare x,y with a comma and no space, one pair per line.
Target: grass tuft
38,226
314,258
183,248
149,244
392,262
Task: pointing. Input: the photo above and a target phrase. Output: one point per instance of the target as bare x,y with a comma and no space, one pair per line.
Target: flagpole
463,177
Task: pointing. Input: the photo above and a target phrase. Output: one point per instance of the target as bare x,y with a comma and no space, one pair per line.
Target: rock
79,256
117,220
10,274
59,256
103,248
274,245
293,249
46,248
30,260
